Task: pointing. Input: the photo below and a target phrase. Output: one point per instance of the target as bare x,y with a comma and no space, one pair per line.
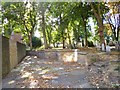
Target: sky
37,33
91,23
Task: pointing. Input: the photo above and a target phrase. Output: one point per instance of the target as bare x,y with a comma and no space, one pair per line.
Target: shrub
36,42
90,44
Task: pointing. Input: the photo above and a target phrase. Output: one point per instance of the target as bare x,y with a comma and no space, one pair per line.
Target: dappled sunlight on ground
49,76
11,82
26,74
68,56
34,72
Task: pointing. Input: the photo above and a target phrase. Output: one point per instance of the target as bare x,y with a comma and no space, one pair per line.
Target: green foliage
63,22
117,86
36,42
90,44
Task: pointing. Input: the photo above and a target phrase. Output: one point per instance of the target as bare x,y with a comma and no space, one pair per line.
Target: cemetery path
101,70
33,72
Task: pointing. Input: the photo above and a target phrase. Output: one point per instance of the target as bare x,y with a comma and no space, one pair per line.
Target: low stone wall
0,62
5,56
21,51
12,53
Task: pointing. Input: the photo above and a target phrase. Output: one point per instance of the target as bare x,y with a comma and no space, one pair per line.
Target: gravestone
79,44
117,46
98,47
103,47
108,49
75,55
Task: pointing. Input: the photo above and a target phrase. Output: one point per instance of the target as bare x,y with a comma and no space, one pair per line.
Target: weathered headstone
75,55
79,44
98,46
103,47
108,49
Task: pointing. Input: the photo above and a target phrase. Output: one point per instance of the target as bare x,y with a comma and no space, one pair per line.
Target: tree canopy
66,23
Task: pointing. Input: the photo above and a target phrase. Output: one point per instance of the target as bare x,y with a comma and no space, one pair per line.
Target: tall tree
28,19
97,9
20,15
42,10
8,18
85,12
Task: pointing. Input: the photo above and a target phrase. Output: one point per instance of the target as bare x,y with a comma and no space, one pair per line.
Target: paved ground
94,69
33,72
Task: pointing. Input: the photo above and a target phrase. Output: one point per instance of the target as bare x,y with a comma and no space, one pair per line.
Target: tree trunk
30,41
114,33
86,42
70,44
101,31
83,43
63,39
43,29
84,24
98,17
113,29
118,30
49,37
63,42
54,45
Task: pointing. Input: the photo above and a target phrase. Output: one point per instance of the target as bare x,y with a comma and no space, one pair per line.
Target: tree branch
94,11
